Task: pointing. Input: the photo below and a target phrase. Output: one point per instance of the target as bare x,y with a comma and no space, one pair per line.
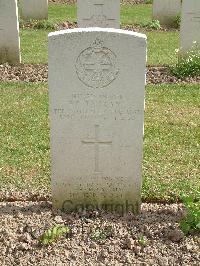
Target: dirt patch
24,72
143,29
39,73
160,75
96,238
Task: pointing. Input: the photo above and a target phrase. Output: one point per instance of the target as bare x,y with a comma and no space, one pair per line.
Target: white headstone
190,25
34,9
166,11
98,13
96,86
9,32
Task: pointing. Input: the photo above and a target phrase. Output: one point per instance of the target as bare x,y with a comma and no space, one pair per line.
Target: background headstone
96,86
34,9
166,11
99,13
190,25
9,32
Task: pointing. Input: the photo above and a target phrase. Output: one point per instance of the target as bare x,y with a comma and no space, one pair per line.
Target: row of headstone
100,13
9,25
166,11
106,14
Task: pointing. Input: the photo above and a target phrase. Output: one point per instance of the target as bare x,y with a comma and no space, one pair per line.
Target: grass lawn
171,153
136,14
161,45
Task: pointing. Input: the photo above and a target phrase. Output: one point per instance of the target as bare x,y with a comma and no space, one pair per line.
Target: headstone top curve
96,29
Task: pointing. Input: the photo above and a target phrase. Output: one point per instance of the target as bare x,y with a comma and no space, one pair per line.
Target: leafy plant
188,65
142,240
154,24
44,24
53,234
148,1
191,223
177,21
102,233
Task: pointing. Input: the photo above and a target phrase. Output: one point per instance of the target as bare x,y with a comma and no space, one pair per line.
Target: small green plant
148,2
188,65
142,240
177,22
154,24
44,24
102,233
53,234
191,223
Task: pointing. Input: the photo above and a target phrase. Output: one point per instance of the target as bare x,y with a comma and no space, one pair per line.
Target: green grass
34,46
171,145
136,14
172,139
24,139
59,13
161,45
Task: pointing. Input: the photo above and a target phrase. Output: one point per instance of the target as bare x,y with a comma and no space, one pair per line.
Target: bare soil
96,237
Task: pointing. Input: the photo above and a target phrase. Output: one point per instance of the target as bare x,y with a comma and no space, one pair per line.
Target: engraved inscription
99,19
96,66
195,16
1,30
96,142
87,106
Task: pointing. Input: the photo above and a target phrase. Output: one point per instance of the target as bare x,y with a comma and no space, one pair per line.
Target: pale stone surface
99,13
96,86
9,32
190,25
34,9
166,11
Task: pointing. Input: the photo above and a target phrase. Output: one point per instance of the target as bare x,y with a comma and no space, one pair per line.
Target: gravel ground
22,223
39,73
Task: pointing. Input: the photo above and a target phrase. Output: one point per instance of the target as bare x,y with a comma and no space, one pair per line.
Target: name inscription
194,16
103,106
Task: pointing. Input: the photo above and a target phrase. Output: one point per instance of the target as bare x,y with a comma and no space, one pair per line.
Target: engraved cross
96,142
195,16
99,18
97,66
